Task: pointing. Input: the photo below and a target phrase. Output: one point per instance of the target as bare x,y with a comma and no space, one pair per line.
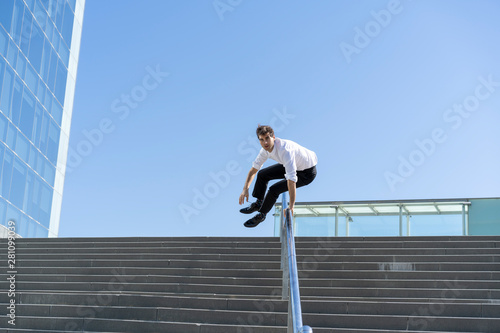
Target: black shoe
254,221
255,206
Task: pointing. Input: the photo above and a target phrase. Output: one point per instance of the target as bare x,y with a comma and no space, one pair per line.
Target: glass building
39,48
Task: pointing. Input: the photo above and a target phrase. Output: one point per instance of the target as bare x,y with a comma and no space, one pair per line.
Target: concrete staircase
219,285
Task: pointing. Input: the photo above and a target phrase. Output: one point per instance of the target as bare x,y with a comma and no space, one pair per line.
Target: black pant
277,171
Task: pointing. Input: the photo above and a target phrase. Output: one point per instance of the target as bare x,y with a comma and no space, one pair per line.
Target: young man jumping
296,167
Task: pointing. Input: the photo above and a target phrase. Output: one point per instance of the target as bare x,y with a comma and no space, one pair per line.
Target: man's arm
291,191
248,181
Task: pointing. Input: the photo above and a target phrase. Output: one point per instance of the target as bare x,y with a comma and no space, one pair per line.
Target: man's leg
276,171
304,178
264,175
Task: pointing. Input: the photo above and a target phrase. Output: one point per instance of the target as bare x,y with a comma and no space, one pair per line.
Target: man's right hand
243,195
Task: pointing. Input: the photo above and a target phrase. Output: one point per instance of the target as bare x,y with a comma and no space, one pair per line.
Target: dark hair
264,129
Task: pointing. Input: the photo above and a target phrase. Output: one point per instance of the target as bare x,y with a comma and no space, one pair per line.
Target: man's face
267,142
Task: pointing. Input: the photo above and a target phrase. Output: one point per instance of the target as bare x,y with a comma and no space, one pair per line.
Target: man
296,167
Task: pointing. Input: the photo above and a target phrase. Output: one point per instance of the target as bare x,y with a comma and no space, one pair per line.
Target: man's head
266,137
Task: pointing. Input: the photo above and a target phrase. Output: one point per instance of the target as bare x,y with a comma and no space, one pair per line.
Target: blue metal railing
291,291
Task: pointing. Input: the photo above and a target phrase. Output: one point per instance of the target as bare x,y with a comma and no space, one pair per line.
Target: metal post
336,221
347,225
464,226
408,225
467,221
400,220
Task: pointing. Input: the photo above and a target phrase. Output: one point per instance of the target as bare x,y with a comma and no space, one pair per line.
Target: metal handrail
291,291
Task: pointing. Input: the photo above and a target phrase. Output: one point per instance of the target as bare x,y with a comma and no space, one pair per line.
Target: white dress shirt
291,155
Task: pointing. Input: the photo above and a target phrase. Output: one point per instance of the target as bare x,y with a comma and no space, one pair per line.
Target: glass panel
6,8
18,183
8,161
31,78
421,209
40,164
12,54
2,150
30,4
44,135
67,28
35,198
45,205
17,97
3,211
27,114
22,226
41,232
37,125
45,4
56,40
7,88
4,39
41,90
40,14
435,225
21,64
387,209
325,210
359,210
59,14
57,112
314,226
36,47
64,54
49,173
49,30
53,144
29,229
17,20
45,65
450,208
11,136
374,226
28,197
3,127
47,103
22,147
60,89
484,217
302,211
13,214
52,70
72,3
33,153
26,32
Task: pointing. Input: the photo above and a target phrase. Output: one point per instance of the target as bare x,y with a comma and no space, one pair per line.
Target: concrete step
306,270
150,306
155,266
394,258
238,321
306,252
273,243
455,290
263,281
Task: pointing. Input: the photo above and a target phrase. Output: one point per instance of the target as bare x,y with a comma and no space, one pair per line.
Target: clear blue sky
399,99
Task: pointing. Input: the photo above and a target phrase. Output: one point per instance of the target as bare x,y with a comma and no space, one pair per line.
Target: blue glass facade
39,46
